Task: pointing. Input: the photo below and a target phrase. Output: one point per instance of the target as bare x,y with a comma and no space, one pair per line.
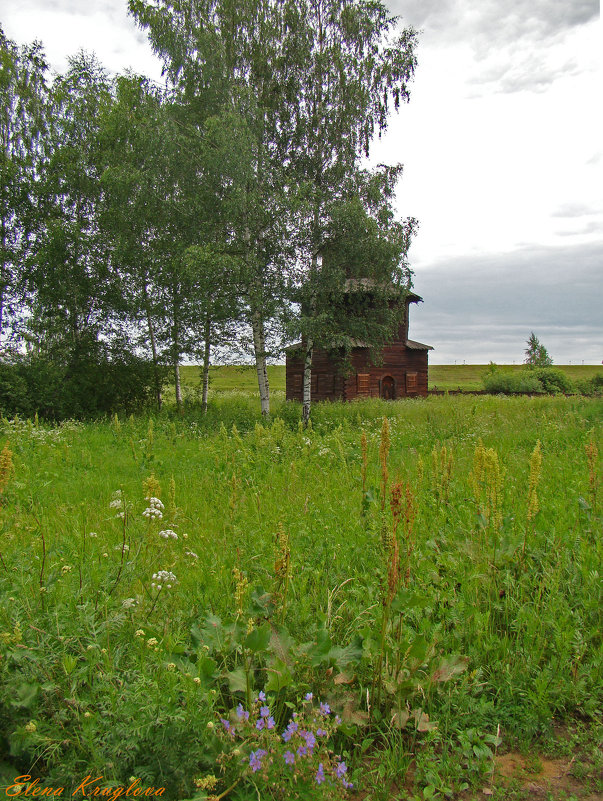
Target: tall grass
489,557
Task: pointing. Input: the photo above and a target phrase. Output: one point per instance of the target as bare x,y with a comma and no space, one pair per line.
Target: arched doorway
388,388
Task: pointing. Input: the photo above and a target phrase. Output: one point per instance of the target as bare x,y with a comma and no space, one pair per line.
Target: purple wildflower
337,720
302,751
309,738
321,732
270,723
242,714
255,759
291,729
320,774
325,709
261,696
340,770
228,726
265,711
289,757
309,696
260,724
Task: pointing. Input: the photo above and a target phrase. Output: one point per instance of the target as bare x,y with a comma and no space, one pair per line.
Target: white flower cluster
154,510
163,578
123,548
192,554
129,603
117,503
168,534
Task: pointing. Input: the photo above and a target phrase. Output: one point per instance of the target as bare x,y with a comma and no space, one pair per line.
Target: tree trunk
177,387
307,385
147,308
176,355
259,347
206,355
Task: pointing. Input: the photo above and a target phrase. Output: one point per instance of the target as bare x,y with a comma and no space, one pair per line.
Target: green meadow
430,569
441,376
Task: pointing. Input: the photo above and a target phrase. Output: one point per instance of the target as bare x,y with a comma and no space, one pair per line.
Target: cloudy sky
501,143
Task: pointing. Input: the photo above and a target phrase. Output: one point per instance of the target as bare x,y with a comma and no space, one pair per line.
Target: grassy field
442,376
436,580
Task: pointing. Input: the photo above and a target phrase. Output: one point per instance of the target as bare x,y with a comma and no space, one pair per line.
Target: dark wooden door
388,388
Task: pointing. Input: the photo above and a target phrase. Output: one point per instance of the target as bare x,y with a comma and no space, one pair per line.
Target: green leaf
26,694
237,681
258,639
279,677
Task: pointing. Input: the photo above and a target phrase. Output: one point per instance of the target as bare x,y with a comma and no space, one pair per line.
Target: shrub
94,380
553,380
511,383
591,386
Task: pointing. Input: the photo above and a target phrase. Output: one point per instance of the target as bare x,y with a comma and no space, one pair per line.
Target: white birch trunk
259,347
206,356
307,383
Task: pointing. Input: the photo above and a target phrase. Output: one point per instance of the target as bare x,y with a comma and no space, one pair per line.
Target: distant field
441,376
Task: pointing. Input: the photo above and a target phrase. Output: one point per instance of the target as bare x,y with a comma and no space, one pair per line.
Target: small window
363,383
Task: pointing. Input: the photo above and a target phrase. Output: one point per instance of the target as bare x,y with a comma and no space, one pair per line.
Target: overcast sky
501,143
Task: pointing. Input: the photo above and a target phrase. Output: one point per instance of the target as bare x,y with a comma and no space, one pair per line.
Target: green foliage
536,353
511,383
552,380
94,380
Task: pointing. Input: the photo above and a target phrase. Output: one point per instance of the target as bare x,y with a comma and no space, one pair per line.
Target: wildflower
260,724
192,554
87,714
105,555
302,751
139,633
123,548
154,509
308,696
292,727
255,759
93,534
171,666
320,774
289,757
168,534
197,680
340,770
129,603
66,568
321,733
30,727
242,714
270,724
152,642
261,696
163,578
228,726
309,738
325,709
265,711
116,504
337,720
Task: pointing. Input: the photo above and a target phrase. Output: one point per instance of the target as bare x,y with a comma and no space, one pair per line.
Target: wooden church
400,371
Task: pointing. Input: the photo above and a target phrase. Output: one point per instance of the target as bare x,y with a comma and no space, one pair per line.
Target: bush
591,386
94,380
512,383
553,381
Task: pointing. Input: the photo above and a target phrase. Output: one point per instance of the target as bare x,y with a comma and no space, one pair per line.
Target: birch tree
359,66
239,67
23,107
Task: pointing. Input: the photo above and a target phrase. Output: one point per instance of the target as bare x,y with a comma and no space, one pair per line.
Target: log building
399,372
